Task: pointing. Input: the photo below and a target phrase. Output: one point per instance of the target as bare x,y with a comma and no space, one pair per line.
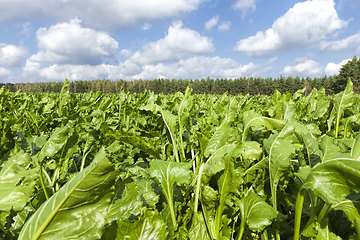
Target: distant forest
253,86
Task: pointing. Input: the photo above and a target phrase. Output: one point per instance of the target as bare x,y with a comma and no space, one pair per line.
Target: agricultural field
179,166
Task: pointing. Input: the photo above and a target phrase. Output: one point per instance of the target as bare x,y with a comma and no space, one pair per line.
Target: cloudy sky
50,40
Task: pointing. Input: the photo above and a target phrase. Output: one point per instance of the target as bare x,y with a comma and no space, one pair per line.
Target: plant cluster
179,166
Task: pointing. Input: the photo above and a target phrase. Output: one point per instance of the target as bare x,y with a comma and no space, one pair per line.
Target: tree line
253,86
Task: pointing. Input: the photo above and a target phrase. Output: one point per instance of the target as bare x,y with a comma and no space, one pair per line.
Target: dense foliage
243,85
179,166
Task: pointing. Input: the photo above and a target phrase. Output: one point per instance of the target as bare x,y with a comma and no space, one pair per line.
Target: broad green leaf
149,226
329,148
325,233
129,203
343,100
198,228
314,154
347,206
252,119
334,179
183,115
280,149
228,183
289,111
147,192
78,209
166,174
217,162
256,212
355,150
220,137
17,182
137,141
55,143
252,151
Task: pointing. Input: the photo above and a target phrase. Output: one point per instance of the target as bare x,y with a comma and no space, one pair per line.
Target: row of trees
333,84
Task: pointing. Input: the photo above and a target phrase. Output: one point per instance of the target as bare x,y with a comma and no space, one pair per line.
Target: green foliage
350,70
180,166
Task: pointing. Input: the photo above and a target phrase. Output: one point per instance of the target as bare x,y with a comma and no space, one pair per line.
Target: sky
50,40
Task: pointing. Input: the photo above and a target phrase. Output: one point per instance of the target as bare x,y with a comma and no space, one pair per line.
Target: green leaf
329,148
17,182
343,100
64,97
150,226
314,154
216,162
252,151
55,143
280,150
334,179
129,203
355,150
78,209
166,174
146,191
347,206
220,137
198,228
256,212
228,183
171,123
252,119
324,233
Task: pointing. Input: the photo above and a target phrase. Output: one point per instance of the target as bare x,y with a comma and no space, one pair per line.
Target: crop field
179,166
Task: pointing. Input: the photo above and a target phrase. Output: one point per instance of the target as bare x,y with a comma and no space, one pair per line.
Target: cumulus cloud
197,67
305,23
305,68
179,42
109,14
334,68
352,42
70,43
245,6
211,23
4,74
224,26
189,68
11,55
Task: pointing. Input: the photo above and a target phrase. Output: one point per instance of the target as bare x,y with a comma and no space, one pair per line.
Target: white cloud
211,23
146,26
11,55
4,74
304,24
189,68
245,6
108,14
352,42
334,68
178,42
197,67
125,52
305,68
224,26
70,43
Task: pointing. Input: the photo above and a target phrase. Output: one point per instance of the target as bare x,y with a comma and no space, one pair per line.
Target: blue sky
42,40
